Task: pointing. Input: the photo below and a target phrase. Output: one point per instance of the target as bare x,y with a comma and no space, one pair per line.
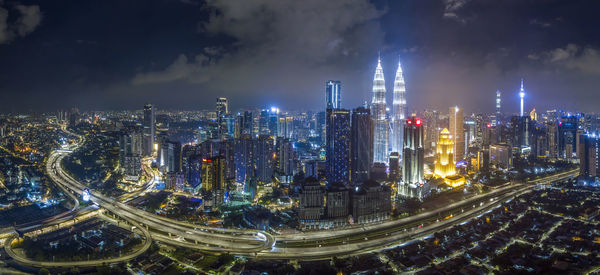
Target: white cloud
574,57
28,20
452,6
275,41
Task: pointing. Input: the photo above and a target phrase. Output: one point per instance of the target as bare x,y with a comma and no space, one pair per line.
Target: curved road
28,262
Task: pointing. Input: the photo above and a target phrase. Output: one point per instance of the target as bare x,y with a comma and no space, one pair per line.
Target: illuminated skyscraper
213,177
398,112
414,153
444,163
498,118
333,94
338,146
380,133
522,95
456,119
148,130
265,158
222,111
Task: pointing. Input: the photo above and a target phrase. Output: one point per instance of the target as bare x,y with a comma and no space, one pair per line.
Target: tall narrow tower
456,119
522,95
498,103
380,129
332,94
398,112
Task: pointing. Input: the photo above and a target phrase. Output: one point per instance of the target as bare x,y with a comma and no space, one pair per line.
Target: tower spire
398,111
522,95
378,113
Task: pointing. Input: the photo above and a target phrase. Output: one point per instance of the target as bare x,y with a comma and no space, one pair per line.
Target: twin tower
387,133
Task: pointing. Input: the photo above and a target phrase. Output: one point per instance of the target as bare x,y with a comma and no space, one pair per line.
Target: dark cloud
280,47
182,54
27,20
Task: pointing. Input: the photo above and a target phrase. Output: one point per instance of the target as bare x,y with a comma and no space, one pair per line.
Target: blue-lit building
244,158
338,146
265,158
333,94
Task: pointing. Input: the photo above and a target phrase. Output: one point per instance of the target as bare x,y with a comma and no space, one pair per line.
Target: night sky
101,55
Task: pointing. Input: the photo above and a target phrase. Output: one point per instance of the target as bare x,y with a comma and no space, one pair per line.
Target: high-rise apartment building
149,130
456,122
338,146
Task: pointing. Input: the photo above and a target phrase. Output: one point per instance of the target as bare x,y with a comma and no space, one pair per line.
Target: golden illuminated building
444,163
454,180
533,114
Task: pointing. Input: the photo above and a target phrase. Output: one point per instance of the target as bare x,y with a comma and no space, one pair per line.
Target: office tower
263,122
398,112
522,130
130,153
501,155
273,122
265,158
361,141
480,126
333,90
149,130
567,133
589,157
498,106
311,204
444,163
338,146
321,126
522,95
552,139
174,181
169,156
286,160
213,177
193,173
378,114
431,120
456,118
286,126
244,158
413,154
248,124
239,126
371,202
222,107
222,112
394,166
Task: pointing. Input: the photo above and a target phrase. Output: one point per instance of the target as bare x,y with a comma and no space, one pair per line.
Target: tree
43,271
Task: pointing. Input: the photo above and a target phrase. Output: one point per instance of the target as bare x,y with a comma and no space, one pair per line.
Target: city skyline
261,137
